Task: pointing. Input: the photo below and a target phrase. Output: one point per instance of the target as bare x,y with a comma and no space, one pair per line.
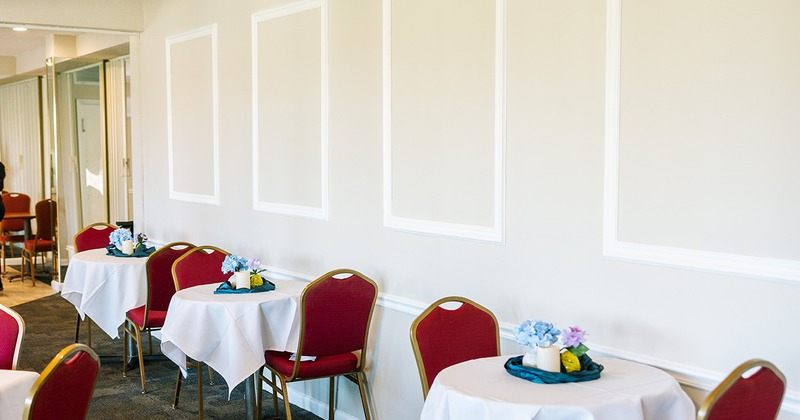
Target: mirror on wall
89,141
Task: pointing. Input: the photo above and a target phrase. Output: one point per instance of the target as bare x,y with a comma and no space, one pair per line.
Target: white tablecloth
14,388
230,332
482,389
105,287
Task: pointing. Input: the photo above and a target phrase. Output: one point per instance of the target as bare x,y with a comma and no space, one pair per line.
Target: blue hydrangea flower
116,237
233,263
536,334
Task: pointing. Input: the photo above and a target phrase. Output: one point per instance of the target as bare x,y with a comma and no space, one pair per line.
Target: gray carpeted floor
50,326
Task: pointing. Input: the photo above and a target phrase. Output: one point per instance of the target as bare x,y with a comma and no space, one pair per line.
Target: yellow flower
570,362
256,280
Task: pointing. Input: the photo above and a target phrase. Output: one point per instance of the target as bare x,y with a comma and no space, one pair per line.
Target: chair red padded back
336,313
199,265
756,396
94,236
444,337
15,203
160,284
65,387
12,329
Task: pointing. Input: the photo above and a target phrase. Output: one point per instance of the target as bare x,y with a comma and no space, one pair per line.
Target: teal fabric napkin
226,288
589,371
141,251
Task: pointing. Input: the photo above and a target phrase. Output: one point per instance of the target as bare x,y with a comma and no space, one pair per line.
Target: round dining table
105,287
482,389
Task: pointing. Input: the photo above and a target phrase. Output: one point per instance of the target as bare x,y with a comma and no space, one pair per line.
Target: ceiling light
19,28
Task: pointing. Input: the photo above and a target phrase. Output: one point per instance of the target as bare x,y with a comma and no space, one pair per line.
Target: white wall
631,171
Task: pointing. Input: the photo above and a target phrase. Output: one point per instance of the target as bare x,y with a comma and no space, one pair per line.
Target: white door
91,162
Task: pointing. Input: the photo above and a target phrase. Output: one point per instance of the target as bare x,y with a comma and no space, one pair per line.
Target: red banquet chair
746,395
443,337
64,389
12,329
199,265
45,239
13,230
94,236
160,288
335,314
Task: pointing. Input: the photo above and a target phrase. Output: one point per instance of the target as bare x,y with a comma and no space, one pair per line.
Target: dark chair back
160,285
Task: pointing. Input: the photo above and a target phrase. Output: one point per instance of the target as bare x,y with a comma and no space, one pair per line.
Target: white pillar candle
548,358
127,247
242,279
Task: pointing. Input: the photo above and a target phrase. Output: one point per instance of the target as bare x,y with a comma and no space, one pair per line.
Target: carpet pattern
50,326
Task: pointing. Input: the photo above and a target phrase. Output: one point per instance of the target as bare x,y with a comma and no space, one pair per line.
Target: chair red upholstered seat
335,314
442,337
746,395
12,329
321,366
151,315
64,389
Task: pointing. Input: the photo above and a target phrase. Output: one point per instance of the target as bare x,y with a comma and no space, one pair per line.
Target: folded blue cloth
589,371
139,252
226,288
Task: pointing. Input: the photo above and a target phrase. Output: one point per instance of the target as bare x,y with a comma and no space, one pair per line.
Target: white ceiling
13,43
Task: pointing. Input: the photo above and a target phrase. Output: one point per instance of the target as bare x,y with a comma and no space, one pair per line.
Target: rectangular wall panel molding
290,109
684,257
444,162
192,116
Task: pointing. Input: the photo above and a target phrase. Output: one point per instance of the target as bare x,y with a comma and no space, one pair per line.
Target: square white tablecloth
15,385
230,332
105,287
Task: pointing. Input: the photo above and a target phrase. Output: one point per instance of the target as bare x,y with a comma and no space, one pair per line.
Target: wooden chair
94,236
443,337
44,240
65,387
13,231
199,265
12,329
746,394
151,315
335,314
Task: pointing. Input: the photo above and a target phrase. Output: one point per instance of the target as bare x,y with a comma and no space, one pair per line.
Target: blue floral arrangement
121,234
536,334
233,263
